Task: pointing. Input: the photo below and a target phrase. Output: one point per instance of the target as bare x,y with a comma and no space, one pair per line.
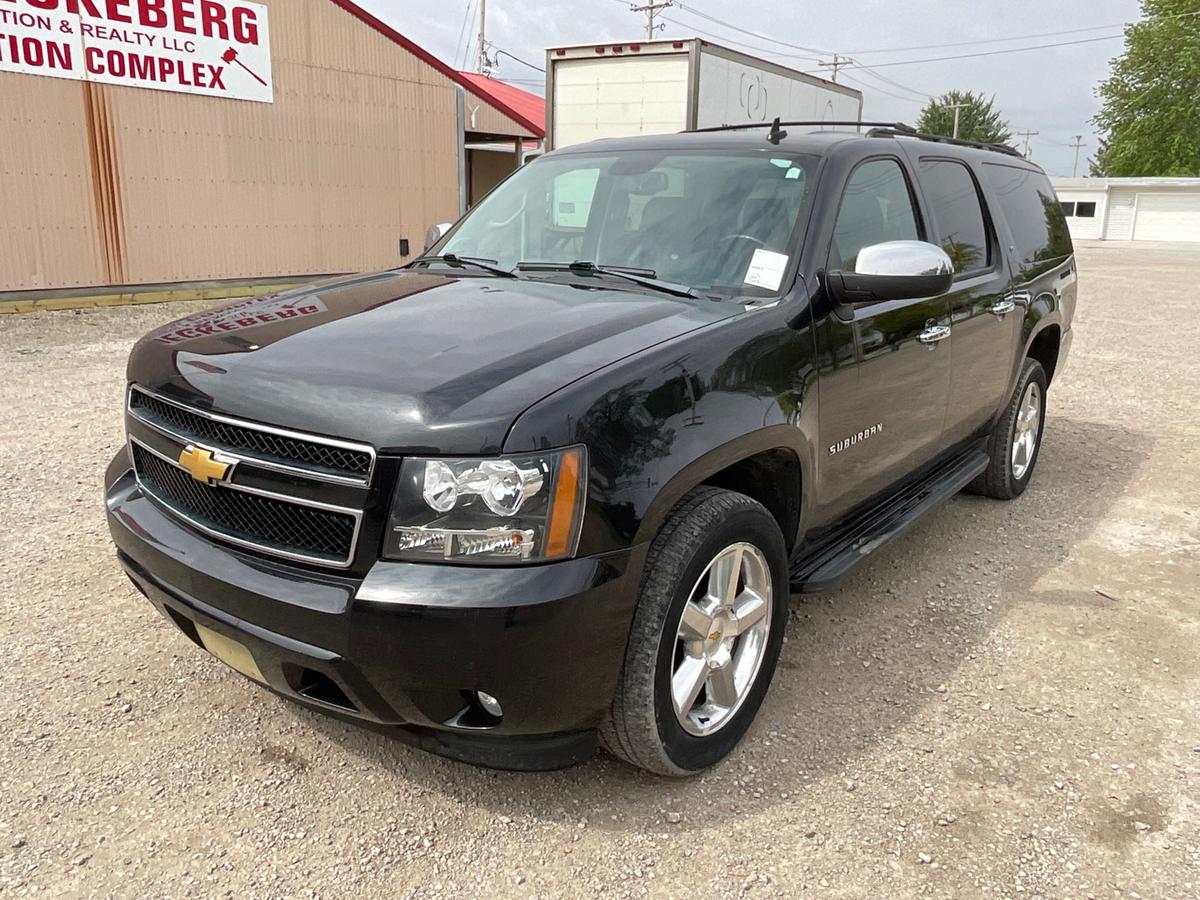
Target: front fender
663,421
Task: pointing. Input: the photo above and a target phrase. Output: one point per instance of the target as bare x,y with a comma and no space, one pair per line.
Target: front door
986,321
885,367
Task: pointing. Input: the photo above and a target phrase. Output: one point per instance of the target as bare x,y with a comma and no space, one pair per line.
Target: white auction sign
219,48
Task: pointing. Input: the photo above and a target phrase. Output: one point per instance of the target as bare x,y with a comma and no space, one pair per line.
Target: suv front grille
278,526
314,455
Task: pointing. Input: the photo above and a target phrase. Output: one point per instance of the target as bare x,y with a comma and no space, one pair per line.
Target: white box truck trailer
651,87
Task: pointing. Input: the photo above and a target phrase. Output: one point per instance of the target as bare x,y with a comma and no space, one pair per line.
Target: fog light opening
482,711
490,704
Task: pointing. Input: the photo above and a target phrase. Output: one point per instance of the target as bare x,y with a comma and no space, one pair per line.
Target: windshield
717,222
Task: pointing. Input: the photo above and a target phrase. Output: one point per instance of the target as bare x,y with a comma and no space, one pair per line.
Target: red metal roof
526,108
515,103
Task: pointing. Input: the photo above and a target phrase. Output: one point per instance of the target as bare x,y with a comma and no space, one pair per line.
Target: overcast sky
1051,91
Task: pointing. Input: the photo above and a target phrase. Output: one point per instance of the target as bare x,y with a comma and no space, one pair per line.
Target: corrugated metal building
1131,209
359,145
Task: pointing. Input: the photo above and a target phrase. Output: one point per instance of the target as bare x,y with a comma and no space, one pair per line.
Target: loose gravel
1002,703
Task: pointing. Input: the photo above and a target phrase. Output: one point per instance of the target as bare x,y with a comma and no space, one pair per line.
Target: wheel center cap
724,626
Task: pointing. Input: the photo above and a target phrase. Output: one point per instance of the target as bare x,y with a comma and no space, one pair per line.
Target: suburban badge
848,442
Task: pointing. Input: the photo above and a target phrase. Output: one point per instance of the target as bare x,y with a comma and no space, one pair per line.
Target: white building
1131,209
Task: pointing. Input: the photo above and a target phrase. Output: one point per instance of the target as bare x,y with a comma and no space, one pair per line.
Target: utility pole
1076,144
956,107
651,10
481,59
1026,135
837,63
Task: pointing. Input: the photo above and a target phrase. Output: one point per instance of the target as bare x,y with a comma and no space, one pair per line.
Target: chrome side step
832,560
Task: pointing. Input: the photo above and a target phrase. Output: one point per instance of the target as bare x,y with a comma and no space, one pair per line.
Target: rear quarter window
1034,215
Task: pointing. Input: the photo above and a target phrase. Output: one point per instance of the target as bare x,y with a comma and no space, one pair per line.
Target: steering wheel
735,236
730,239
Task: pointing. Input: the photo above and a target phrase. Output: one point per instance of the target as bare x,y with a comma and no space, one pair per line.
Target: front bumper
403,648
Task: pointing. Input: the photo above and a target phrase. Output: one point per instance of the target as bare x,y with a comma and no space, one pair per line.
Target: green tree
1150,104
1098,164
977,120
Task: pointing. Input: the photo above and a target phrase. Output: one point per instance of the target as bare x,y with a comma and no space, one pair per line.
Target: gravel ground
1001,703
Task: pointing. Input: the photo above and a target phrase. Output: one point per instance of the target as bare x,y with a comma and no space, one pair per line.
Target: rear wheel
705,637
1016,438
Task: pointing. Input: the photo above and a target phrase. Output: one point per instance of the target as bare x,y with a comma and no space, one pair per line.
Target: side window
957,215
1034,216
876,207
1085,210
1068,208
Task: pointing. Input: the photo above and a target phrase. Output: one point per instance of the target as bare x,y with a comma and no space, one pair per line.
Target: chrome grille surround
291,521
280,449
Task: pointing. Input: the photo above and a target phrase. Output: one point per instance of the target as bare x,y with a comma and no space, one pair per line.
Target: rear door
884,384
985,322
1032,227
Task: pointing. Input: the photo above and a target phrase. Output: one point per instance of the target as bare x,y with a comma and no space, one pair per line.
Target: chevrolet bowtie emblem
203,465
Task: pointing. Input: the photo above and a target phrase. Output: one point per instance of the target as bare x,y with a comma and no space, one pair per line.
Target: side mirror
435,233
894,270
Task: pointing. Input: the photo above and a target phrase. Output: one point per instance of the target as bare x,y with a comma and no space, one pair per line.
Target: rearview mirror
434,233
893,270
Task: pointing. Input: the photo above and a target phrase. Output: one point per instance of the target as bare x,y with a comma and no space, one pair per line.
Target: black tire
642,727
999,480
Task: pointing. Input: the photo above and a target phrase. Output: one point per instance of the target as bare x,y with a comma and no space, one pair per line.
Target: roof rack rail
878,129
894,126
886,131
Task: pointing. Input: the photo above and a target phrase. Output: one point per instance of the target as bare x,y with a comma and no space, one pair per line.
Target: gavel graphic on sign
230,56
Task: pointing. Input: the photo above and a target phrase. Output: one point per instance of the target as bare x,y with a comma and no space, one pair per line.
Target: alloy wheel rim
1026,429
721,639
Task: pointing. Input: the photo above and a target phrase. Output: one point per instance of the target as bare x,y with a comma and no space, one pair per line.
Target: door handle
933,333
1003,306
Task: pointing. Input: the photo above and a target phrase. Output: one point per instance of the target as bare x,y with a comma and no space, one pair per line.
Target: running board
831,561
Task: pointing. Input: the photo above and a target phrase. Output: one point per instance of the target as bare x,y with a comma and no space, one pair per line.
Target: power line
879,90
500,52
909,62
771,51
763,37
462,33
924,95
1020,37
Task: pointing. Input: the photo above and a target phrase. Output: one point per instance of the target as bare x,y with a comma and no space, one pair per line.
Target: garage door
1167,217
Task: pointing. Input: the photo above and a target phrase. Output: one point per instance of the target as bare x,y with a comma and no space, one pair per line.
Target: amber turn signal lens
564,511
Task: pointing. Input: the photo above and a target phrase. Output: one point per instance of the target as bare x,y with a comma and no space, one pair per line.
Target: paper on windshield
766,269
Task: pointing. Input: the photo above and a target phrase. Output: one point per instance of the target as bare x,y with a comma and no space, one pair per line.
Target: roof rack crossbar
895,126
885,131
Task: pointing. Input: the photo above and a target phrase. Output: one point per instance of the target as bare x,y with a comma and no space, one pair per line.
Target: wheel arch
765,466
1044,346
1041,333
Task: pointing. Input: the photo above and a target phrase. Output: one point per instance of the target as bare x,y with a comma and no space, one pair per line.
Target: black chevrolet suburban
551,484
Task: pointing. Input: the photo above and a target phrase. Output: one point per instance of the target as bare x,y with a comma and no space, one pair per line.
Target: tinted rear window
1034,216
957,216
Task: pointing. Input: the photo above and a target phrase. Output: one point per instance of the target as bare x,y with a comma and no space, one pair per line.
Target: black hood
407,361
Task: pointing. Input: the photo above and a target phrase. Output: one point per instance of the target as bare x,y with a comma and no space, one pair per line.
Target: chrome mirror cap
893,270
903,258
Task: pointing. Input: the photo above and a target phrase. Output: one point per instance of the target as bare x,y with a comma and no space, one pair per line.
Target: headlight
524,508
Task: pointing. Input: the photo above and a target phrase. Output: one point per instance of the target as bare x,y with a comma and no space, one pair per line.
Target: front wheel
705,638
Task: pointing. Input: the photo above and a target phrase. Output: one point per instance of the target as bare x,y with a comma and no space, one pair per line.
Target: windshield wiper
453,259
644,277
